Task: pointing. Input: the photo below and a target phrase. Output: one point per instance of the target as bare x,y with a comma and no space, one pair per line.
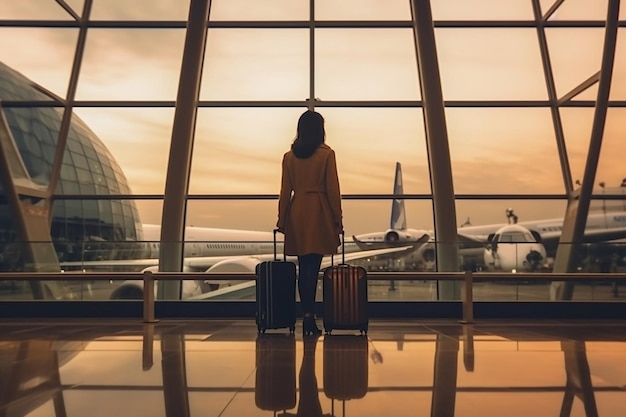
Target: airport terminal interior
479,149
403,368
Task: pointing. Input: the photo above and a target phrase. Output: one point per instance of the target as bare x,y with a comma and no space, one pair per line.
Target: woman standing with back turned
309,208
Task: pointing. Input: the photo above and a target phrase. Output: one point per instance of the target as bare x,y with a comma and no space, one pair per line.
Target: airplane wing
352,256
552,237
471,238
591,236
204,263
470,242
242,289
191,263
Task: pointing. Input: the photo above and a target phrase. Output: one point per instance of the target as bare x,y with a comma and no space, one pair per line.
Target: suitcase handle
275,247
343,250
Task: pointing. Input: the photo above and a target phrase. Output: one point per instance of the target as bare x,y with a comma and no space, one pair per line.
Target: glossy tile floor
222,368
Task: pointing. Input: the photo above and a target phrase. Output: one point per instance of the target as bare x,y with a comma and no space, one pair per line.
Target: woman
309,208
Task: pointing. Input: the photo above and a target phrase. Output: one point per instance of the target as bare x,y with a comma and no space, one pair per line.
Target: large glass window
264,63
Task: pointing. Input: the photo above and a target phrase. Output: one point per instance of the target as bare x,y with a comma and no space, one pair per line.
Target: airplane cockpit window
514,237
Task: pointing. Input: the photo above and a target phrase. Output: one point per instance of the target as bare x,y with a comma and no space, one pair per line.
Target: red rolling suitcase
275,382
276,294
345,296
345,367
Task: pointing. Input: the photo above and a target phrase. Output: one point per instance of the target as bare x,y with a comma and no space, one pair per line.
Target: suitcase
345,367
276,294
275,382
345,296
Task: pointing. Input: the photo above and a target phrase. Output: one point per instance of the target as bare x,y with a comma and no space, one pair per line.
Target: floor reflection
223,368
345,368
275,385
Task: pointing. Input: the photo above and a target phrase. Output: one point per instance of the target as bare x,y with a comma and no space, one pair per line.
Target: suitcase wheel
292,329
260,329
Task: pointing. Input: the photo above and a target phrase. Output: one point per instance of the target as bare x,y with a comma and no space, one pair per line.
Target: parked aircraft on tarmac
523,246
516,246
215,251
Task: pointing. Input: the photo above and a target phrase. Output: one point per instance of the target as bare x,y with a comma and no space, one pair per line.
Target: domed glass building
81,229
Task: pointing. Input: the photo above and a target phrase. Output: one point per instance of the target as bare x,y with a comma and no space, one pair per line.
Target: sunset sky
238,150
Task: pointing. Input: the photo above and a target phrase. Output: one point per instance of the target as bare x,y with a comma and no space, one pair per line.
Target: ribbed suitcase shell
275,384
345,298
345,367
276,295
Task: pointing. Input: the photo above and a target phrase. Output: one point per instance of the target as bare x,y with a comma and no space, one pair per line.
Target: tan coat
309,206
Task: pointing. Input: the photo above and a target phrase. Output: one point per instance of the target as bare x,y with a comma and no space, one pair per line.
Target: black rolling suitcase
345,368
276,294
275,382
345,296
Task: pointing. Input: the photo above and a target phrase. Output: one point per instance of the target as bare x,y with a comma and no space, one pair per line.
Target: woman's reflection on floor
309,401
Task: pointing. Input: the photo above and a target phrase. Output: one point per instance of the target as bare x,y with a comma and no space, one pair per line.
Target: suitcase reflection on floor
275,384
345,368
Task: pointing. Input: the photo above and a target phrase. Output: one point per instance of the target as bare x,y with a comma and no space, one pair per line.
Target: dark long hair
310,134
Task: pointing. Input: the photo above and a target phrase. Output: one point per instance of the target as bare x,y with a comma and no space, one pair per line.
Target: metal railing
467,278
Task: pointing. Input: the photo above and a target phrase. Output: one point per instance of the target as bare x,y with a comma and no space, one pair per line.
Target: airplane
214,251
513,247
398,234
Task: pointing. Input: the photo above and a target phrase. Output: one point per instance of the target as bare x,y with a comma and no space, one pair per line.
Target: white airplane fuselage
212,242
211,251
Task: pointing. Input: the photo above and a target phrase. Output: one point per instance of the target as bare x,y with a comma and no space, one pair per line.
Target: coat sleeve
333,191
284,198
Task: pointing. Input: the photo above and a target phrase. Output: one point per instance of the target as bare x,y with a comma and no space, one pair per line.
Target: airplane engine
236,265
403,237
392,237
129,290
133,289
425,256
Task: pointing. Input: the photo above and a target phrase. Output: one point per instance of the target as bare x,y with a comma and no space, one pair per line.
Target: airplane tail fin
398,214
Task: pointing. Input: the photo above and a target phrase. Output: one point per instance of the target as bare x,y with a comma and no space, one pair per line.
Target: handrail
117,276
371,276
468,278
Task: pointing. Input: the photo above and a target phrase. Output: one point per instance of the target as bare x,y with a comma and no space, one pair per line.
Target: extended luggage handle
275,247
343,250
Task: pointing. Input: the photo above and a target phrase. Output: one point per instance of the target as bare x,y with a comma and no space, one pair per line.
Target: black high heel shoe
309,328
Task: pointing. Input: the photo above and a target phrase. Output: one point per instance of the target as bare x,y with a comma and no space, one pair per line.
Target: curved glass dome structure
79,226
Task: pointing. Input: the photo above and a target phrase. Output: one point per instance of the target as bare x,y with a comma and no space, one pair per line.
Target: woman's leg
307,281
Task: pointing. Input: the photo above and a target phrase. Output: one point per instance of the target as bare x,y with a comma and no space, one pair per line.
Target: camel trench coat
309,205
